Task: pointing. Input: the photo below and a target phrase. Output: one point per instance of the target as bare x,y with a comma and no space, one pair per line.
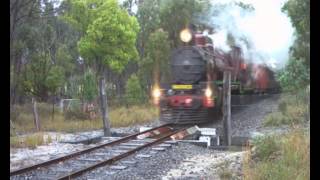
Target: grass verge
119,117
279,157
293,109
30,141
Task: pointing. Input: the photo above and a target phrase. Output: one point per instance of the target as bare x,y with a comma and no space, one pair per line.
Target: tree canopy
297,72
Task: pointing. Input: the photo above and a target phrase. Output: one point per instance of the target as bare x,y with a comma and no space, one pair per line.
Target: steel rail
118,157
78,153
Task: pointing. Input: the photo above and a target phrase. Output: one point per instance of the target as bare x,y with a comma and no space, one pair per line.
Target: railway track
76,164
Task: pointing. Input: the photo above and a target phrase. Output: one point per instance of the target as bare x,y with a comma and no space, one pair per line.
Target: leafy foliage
155,66
295,75
110,36
134,93
297,72
148,16
55,79
90,90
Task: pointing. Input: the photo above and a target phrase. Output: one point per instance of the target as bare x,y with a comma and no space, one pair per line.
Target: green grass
292,110
119,117
279,157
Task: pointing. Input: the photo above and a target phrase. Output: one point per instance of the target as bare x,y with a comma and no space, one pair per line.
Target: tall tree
22,15
299,13
148,16
109,41
297,72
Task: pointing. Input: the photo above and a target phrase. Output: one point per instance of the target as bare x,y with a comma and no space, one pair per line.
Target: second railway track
76,164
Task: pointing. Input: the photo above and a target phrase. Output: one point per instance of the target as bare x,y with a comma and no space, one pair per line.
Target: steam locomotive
195,92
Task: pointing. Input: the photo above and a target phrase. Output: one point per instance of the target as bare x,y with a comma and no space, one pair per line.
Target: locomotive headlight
185,35
208,92
156,93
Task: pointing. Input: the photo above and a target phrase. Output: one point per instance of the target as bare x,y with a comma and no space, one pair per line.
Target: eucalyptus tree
108,41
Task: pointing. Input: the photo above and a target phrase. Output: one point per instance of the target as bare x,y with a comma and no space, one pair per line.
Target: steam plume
264,33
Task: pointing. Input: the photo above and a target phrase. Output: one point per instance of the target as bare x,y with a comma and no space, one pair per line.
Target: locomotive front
189,97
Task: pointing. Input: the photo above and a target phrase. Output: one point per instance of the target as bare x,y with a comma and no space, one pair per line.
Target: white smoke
265,34
220,39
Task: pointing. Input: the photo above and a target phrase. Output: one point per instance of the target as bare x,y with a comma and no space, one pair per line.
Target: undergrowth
279,157
293,109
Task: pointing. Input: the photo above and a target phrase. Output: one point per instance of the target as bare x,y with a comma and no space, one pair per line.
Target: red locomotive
197,74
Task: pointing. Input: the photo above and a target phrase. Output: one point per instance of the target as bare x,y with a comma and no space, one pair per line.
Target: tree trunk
35,114
227,107
103,105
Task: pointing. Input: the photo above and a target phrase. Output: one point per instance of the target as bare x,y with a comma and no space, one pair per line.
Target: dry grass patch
119,117
29,141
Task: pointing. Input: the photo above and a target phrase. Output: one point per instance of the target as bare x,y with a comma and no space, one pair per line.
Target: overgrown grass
279,157
29,141
119,117
292,110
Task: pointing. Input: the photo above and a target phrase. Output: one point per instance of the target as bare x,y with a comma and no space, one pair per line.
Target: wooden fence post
35,115
227,107
104,108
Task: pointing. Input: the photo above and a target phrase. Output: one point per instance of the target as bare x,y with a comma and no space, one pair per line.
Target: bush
277,119
75,112
266,147
295,76
134,93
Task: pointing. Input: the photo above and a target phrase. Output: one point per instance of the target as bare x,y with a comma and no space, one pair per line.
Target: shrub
277,119
295,76
266,147
75,112
134,93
